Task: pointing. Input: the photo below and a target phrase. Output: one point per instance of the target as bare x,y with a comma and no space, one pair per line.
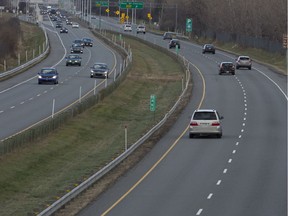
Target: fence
34,57
247,41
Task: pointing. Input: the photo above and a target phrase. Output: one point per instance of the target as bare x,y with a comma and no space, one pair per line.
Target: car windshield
76,45
204,116
47,71
209,46
100,66
73,57
87,39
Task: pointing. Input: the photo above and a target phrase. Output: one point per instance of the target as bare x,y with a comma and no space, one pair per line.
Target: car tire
233,73
91,76
219,136
249,68
203,52
39,83
237,67
67,64
191,136
213,52
79,64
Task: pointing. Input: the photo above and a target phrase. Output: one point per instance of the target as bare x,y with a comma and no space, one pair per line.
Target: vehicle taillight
215,124
193,124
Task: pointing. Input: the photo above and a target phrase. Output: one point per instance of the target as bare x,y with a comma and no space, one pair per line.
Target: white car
127,27
75,25
141,29
244,61
205,122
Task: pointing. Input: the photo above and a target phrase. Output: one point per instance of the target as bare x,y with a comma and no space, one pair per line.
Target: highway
243,173
25,103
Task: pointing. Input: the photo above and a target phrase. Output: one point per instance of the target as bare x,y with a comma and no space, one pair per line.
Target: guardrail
29,63
90,181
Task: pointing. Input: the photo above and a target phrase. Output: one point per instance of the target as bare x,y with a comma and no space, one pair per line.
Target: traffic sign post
152,103
189,25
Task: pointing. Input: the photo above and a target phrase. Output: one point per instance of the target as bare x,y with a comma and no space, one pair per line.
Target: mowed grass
36,176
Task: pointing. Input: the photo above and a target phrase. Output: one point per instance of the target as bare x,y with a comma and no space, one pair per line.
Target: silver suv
205,122
244,61
141,29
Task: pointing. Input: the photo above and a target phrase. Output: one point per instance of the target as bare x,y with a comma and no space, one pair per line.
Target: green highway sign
189,25
152,103
131,5
102,4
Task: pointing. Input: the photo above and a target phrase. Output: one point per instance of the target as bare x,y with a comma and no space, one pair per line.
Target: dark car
63,30
208,48
226,68
73,59
79,41
173,43
87,42
48,75
99,70
168,36
76,48
58,25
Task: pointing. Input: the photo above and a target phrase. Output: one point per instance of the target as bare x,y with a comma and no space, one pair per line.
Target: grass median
36,176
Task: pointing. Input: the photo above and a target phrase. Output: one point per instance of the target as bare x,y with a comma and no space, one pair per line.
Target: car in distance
63,30
68,22
205,122
173,43
127,27
87,42
76,48
208,48
141,29
75,25
244,61
99,70
58,25
48,75
226,68
73,59
79,41
168,36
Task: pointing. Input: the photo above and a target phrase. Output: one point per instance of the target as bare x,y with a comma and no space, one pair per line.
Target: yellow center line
164,155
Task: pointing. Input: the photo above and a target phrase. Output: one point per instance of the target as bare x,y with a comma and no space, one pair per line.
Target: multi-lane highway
243,173
24,102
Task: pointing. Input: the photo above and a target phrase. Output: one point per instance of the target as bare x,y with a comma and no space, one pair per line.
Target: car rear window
205,116
227,64
244,58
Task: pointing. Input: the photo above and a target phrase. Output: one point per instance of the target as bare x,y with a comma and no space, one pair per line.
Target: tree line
256,18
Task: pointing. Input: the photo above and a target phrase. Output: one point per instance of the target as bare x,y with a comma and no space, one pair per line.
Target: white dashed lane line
225,170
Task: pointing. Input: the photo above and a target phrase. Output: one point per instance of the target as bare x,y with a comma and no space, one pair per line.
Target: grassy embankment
31,38
37,175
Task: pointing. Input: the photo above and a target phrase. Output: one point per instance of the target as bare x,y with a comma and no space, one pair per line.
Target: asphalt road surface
243,173
24,102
